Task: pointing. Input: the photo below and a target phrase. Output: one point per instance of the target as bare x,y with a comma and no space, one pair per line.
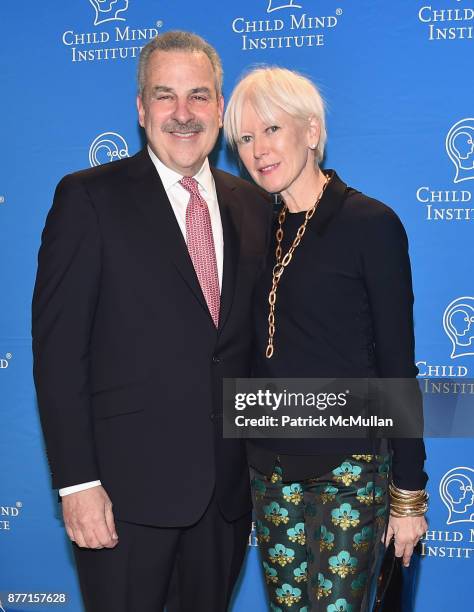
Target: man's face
180,109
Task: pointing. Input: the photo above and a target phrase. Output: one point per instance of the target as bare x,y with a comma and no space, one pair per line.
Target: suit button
212,416
215,360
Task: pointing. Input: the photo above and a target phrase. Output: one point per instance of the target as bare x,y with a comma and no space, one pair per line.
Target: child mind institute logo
456,491
107,147
453,204
108,10
460,149
5,361
8,514
284,25
116,41
457,494
451,21
274,5
458,323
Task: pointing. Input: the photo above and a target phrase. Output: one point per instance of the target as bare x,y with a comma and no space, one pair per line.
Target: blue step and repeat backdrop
398,81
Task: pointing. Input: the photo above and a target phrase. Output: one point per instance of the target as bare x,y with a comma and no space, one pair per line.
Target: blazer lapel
150,198
231,220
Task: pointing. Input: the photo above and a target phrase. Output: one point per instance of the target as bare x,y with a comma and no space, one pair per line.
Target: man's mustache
182,128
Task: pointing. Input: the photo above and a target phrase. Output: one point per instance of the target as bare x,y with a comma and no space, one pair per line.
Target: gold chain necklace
281,264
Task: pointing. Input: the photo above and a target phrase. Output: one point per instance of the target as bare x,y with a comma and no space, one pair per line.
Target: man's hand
88,518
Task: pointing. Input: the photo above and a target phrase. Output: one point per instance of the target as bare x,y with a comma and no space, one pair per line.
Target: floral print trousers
319,538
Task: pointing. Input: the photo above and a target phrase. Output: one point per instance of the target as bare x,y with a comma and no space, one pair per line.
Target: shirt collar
170,177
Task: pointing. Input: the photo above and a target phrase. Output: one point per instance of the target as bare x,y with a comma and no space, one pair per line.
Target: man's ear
141,111
221,110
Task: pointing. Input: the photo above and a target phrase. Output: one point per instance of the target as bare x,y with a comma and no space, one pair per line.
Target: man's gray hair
179,41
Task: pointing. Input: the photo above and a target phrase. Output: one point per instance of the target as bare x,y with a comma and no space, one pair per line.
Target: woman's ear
314,131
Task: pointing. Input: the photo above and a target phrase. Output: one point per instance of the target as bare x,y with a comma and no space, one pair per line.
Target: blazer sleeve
387,275
64,302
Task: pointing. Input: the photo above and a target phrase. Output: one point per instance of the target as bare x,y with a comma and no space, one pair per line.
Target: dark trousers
319,539
201,562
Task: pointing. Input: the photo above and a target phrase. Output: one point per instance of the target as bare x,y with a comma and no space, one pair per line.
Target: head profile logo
458,323
277,5
109,10
456,490
460,149
107,147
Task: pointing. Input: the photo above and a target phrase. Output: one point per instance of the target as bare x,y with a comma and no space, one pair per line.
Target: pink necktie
201,246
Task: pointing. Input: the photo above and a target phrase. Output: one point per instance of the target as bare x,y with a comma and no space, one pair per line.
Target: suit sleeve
64,302
387,275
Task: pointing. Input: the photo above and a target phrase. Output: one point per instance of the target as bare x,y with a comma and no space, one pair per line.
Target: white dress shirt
179,198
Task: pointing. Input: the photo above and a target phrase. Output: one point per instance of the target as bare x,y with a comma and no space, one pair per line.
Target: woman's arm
387,275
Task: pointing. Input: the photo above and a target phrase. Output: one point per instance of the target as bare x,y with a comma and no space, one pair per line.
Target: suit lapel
231,220
150,198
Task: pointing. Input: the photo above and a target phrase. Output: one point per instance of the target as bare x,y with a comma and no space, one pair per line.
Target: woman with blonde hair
335,301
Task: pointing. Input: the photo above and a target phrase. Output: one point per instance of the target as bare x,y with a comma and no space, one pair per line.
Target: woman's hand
407,531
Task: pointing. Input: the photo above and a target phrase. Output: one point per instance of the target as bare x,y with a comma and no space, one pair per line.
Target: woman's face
277,155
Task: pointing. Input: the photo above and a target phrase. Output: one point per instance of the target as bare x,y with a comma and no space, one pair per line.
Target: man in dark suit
142,305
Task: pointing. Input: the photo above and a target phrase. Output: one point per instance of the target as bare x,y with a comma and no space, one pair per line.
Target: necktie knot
191,185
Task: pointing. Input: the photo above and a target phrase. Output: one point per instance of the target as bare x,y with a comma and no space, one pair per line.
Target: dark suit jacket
127,361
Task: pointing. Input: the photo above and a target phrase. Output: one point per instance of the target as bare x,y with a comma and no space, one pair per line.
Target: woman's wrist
405,503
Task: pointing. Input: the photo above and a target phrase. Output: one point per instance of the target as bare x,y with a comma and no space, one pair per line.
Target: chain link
282,263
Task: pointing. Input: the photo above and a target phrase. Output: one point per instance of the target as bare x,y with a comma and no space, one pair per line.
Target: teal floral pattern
365,494
317,538
342,564
297,534
358,585
301,573
281,555
362,539
259,488
341,605
345,517
347,473
293,493
271,575
329,494
327,539
263,533
276,514
288,594
322,585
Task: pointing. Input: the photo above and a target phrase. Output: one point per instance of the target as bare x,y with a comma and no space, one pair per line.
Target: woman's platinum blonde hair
269,88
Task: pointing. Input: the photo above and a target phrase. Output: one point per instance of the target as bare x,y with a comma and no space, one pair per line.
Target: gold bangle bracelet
405,503
406,496
414,512
409,507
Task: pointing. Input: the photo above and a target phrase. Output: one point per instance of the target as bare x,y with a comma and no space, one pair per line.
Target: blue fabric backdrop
401,128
